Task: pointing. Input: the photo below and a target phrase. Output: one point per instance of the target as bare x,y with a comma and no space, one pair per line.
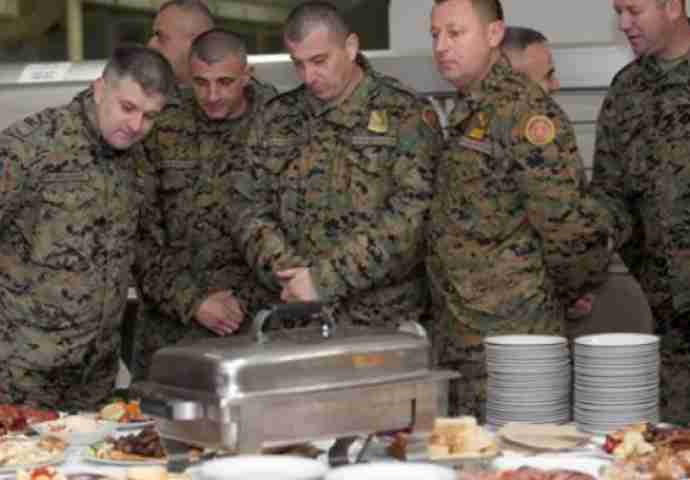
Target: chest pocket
60,226
482,190
369,177
288,160
178,179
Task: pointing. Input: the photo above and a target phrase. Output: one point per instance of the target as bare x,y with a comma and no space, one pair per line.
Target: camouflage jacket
70,207
642,174
194,162
508,200
343,189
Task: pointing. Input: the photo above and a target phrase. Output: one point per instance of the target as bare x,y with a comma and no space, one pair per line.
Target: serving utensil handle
309,310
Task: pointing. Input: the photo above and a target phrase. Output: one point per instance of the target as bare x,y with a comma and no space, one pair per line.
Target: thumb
287,274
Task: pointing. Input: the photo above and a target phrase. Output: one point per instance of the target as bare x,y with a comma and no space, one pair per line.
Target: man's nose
309,75
136,122
212,93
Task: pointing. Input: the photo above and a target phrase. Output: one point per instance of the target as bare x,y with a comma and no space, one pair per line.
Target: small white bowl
76,429
391,471
260,467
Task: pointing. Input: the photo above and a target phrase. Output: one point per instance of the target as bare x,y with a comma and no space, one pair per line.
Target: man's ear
247,74
495,33
98,90
675,10
352,46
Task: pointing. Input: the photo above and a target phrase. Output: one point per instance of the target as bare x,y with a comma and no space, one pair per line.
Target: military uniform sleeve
573,227
255,215
389,241
166,275
607,185
14,176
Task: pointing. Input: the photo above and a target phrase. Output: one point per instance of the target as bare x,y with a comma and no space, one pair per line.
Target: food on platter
645,451
644,438
18,418
24,451
460,437
123,412
525,473
40,473
398,447
142,446
661,464
543,436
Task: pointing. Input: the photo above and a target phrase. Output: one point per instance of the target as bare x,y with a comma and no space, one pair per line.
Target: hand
582,307
221,313
297,286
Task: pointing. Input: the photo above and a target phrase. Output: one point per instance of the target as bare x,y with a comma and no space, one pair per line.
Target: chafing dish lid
293,361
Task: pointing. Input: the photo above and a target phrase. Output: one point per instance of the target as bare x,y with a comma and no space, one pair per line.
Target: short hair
489,10
145,66
309,16
198,7
216,44
519,38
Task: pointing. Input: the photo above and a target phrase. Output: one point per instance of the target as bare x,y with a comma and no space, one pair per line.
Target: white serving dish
561,461
76,429
391,471
260,467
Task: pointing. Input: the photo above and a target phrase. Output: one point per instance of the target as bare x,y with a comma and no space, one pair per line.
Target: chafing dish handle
310,310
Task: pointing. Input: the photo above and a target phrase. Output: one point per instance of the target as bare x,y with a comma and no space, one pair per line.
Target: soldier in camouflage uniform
642,174
177,24
619,305
198,149
70,208
507,201
342,181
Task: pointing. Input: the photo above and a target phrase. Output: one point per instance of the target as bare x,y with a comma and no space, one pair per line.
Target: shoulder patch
479,125
378,121
430,117
540,130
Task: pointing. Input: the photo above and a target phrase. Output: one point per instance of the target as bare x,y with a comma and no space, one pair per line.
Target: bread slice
460,437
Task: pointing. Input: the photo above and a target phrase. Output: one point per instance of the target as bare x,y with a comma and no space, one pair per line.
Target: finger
286,274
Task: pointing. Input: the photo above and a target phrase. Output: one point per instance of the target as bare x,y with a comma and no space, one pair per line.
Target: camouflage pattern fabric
642,174
344,190
69,212
195,161
508,223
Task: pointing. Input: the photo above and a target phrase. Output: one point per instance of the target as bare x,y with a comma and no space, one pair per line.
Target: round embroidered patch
431,118
540,130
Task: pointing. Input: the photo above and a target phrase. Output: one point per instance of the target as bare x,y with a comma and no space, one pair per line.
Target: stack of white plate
616,381
529,379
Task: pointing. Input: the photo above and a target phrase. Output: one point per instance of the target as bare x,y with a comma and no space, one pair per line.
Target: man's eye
226,82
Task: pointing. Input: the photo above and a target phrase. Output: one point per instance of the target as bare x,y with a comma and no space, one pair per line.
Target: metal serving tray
292,386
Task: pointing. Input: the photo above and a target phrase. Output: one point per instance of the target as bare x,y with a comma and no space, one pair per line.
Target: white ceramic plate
392,470
260,467
76,429
134,425
578,463
11,469
524,340
616,340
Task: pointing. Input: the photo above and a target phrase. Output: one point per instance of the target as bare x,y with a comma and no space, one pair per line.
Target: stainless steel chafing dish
287,386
